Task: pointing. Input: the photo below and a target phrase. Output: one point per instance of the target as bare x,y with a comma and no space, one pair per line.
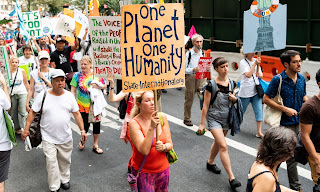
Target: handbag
91,117
132,179
259,88
123,107
272,116
300,152
34,130
10,127
171,155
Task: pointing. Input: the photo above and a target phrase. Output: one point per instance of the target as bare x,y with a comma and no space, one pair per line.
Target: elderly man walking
55,129
192,85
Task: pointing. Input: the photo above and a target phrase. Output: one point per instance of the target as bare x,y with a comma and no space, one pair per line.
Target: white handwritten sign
65,26
105,41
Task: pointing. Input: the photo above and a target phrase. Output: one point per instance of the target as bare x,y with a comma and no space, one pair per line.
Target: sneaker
179,88
234,183
188,123
164,91
214,168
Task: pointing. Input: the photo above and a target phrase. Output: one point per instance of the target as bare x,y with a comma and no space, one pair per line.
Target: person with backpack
192,85
216,111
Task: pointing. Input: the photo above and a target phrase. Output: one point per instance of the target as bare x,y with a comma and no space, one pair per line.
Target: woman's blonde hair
88,59
135,109
12,58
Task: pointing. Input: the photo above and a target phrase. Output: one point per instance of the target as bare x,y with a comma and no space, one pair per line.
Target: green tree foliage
51,6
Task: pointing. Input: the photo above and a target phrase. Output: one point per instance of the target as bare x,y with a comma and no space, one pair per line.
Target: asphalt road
107,172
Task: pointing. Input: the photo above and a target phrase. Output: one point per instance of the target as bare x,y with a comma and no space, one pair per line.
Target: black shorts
4,165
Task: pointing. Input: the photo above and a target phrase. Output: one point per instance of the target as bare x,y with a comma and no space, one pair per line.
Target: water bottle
203,131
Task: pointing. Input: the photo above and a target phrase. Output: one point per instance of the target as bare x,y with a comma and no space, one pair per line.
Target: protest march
133,73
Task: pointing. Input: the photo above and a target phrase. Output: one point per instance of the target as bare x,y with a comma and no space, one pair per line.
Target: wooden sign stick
156,108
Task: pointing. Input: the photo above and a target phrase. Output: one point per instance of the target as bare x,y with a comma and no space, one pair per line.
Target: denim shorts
256,103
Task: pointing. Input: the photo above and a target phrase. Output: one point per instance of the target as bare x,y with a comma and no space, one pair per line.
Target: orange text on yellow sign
152,47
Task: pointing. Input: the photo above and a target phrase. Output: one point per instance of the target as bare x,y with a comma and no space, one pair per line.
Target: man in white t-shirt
27,61
5,143
56,132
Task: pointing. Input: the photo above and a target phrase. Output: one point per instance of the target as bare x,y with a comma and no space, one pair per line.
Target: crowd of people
46,78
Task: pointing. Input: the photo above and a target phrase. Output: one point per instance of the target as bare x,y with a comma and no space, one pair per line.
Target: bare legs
259,124
220,145
2,186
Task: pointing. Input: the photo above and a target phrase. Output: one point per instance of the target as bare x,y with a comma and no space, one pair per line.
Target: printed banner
152,47
4,65
65,26
265,26
32,23
105,42
204,65
5,14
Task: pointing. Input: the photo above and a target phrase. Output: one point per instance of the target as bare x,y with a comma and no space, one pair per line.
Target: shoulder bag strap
128,97
252,74
279,88
160,117
15,77
40,112
145,157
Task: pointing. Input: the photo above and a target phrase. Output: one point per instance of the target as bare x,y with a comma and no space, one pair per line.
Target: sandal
97,150
81,145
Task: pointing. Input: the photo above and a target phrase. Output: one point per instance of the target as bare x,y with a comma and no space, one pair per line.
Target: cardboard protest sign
204,65
68,12
82,20
65,26
4,65
264,26
32,23
105,42
152,47
47,28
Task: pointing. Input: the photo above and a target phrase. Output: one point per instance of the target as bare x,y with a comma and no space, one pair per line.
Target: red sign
204,67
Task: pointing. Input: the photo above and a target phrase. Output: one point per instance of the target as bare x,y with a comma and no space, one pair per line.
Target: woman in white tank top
18,93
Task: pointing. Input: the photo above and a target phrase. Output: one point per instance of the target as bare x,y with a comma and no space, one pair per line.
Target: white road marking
234,144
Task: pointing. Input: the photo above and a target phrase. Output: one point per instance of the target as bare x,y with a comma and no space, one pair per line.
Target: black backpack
123,107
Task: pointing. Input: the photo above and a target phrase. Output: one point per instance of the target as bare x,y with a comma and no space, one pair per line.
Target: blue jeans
256,103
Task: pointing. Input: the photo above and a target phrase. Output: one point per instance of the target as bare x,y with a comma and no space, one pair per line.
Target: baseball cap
44,54
57,73
60,39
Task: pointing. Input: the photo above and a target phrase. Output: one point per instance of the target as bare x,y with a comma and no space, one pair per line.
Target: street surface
107,172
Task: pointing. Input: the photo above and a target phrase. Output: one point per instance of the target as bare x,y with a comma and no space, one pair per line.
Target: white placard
65,26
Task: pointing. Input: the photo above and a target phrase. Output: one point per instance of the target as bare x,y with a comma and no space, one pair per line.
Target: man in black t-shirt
60,58
310,131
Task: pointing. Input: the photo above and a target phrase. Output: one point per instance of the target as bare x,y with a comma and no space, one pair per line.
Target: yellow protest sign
68,12
152,47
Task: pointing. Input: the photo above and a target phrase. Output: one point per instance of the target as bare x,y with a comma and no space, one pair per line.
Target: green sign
32,23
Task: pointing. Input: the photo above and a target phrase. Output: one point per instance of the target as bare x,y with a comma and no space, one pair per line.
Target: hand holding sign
204,68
